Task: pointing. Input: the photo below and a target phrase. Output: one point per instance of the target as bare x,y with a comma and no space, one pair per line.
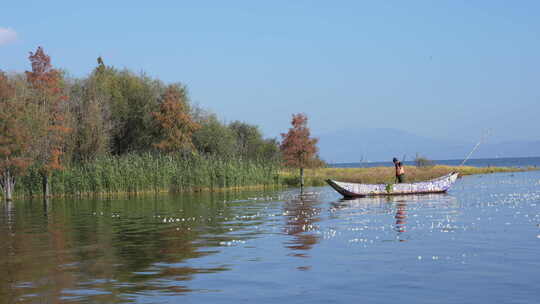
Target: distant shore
385,175
521,162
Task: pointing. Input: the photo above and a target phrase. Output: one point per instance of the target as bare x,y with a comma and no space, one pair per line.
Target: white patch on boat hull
441,184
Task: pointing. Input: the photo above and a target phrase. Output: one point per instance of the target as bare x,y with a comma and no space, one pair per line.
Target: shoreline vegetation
152,173
147,174
118,132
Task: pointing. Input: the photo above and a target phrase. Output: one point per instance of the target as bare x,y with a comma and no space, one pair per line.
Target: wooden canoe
436,185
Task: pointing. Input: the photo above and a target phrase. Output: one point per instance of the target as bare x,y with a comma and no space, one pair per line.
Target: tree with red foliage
298,149
48,95
175,126
14,138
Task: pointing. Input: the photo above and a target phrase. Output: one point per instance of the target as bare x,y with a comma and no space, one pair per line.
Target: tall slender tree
175,126
14,138
48,95
299,149
89,105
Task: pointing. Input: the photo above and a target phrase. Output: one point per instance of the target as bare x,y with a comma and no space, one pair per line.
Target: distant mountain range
379,144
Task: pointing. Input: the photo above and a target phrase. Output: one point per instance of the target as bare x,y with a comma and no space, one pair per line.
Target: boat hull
437,185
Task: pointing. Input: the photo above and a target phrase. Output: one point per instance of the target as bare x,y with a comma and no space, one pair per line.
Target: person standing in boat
400,170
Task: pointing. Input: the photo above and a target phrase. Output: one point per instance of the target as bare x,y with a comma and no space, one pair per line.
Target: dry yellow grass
376,175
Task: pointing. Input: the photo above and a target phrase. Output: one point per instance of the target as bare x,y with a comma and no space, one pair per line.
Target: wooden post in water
8,185
302,179
45,185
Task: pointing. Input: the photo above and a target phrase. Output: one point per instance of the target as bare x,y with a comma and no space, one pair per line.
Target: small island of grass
385,175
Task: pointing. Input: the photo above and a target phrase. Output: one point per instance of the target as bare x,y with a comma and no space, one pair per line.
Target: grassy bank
317,177
149,173
153,173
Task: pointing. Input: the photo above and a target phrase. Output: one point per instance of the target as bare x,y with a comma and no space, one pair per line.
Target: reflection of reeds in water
103,251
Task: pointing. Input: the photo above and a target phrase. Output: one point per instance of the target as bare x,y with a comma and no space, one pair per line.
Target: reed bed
376,175
144,173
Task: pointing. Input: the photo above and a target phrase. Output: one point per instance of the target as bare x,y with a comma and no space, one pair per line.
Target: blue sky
442,69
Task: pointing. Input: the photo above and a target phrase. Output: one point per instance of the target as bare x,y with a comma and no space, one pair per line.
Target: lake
477,244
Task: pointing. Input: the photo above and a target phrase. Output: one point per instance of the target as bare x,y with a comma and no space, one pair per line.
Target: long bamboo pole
482,140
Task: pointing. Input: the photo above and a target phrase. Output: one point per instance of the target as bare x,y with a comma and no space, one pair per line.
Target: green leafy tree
214,138
269,150
249,140
132,99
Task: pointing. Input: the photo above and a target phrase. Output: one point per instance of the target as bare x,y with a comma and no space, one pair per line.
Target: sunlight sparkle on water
482,238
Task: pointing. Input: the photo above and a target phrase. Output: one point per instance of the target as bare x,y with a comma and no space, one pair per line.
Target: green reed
137,173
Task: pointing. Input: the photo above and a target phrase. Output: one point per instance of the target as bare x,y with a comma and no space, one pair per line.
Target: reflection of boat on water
379,201
437,185
438,211
401,217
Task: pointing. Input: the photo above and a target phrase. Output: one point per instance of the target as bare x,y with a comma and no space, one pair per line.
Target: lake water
477,244
476,162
